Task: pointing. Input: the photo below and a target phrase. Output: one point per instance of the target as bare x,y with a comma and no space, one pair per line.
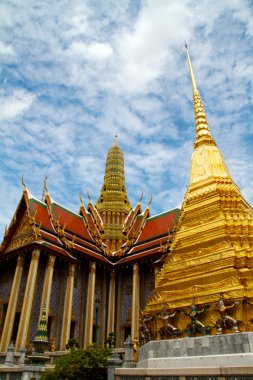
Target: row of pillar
25,317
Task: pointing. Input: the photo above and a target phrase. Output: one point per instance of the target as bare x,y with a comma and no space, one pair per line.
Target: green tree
79,364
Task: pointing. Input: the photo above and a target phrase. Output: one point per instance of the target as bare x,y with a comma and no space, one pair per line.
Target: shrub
79,364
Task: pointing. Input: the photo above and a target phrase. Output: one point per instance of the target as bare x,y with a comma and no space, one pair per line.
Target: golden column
25,316
12,305
111,305
47,286
135,303
66,319
90,305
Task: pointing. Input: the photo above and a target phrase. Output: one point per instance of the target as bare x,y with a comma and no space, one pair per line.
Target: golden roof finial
140,197
116,141
88,195
80,198
23,182
44,188
45,184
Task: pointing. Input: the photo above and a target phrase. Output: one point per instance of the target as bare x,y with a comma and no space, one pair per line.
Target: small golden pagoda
113,204
209,270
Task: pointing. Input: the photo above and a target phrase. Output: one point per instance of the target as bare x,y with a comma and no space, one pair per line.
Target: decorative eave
141,225
59,229
73,228
131,217
98,221
94,232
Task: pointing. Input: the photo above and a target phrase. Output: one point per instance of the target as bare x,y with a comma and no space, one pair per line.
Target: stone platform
207,351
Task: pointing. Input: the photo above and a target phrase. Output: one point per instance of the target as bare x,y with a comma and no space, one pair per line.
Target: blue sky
74,73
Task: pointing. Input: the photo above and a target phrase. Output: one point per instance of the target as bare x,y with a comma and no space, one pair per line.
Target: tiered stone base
208,351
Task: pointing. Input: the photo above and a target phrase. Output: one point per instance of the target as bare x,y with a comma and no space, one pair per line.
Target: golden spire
203,134
116,142
207,160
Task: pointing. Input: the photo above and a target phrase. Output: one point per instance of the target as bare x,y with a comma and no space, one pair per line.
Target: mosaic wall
23,282
55,295
84,274
6,278
148,284
127,296
57,299
77,294
98,304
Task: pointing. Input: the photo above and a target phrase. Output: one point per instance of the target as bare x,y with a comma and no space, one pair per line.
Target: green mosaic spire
40,341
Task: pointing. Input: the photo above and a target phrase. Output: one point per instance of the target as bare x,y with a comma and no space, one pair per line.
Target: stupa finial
211,163
203,134
194,85
116,141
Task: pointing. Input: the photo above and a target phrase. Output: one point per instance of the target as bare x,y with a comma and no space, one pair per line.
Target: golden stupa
209,270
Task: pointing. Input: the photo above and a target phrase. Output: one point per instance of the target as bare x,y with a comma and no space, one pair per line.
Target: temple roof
74,236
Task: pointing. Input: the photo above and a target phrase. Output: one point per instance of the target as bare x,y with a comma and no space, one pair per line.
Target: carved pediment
23,233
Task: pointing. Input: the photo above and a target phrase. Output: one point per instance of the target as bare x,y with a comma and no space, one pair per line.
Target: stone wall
212,350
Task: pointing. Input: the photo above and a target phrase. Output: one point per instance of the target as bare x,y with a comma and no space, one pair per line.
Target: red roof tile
158,225
40,212
74,222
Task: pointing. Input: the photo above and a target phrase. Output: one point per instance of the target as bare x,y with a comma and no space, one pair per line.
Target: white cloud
6,49
15,104
93,51
144,51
